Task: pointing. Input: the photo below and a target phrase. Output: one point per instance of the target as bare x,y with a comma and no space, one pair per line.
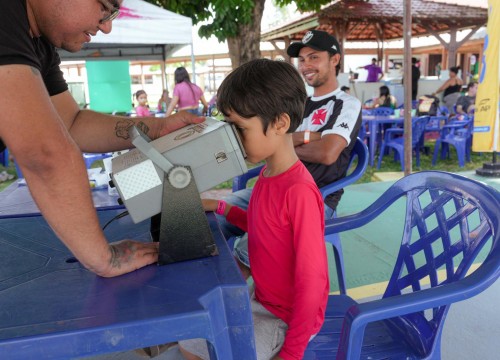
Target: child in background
265,100
142,109
164,101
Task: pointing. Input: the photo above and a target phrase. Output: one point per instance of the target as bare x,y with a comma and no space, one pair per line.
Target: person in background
164,101
415,76
451,88
437,69
265,99
142,109
385,98
46,131
346,89
466,103
187,96
375,72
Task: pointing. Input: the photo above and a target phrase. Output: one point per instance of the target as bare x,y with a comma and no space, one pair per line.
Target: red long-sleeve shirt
285,225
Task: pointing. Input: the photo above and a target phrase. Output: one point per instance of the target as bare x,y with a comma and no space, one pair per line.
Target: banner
486,117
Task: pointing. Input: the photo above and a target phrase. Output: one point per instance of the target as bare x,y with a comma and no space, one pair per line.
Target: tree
237,21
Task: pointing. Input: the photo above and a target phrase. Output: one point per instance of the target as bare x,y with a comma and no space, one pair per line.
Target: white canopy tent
142,31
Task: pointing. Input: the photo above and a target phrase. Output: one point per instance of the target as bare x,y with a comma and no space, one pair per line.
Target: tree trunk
246,46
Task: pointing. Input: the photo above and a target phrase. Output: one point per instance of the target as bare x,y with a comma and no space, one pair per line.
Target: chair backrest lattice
443,234
418,128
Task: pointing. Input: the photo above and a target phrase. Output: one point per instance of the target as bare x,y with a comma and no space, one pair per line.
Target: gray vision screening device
166,176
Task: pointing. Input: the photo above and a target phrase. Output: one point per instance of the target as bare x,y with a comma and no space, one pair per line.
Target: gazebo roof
383,19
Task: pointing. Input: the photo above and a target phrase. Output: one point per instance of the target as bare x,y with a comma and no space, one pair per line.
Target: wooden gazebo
382,20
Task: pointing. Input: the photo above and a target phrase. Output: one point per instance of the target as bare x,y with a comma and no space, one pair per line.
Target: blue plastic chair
4,157
393,138
448,220
359,151
457,134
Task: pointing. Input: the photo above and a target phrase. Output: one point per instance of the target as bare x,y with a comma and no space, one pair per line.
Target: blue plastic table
52,307
16,201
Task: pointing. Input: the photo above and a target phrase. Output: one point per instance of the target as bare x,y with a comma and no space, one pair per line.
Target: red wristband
221,207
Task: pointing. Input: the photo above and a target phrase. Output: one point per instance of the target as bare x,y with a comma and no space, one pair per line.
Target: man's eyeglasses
115,11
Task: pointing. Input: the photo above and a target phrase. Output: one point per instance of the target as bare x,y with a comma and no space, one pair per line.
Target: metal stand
491,169
184,232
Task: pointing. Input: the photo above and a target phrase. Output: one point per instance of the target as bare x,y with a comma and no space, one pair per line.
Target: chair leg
436,152
380,155
334,239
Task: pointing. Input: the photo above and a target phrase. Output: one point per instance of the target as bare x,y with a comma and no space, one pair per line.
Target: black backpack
427,105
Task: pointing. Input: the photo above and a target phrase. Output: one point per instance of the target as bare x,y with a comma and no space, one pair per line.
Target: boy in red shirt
265,100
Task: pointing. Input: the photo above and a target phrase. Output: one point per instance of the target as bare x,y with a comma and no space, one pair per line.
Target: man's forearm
63,195
113,131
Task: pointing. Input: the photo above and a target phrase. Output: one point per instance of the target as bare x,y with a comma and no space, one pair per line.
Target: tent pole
163,71
407,87
192,63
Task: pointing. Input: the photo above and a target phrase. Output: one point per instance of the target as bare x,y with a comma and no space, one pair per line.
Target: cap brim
294,49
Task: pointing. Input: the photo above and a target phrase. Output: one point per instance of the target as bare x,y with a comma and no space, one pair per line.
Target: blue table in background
16,201
52,307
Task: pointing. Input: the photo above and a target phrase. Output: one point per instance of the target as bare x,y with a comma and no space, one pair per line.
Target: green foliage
224,17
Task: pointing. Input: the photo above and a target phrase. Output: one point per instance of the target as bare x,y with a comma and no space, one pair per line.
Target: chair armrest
359,315
391,133
360,151
240,182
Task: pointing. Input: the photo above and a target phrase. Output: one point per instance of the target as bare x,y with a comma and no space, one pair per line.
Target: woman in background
451,88
187,96
385,98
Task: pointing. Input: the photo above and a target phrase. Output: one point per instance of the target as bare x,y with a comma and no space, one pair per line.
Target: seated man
331,121
466,103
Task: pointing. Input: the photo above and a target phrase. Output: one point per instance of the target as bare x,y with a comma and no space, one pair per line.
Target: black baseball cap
317,40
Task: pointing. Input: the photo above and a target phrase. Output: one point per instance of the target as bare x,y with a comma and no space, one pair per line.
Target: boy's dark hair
266,89
344,88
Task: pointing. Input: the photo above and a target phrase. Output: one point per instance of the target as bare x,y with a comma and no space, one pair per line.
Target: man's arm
381,75
460,106
55,172
97,132
321,149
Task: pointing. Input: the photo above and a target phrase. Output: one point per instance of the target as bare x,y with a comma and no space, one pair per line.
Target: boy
265,99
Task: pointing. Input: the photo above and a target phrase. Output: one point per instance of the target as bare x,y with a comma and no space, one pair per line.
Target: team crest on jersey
319,117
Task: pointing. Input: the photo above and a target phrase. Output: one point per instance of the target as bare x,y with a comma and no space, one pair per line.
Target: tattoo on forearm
122,127
143,127
121,253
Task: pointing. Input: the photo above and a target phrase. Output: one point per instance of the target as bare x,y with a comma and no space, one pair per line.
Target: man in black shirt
45,130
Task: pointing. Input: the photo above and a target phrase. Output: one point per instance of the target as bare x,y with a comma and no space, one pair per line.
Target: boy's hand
179,120
209,204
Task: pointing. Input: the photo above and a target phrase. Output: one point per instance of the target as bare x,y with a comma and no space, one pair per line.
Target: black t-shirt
18,47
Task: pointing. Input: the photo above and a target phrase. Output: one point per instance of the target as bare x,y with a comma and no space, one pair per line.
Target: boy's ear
282,123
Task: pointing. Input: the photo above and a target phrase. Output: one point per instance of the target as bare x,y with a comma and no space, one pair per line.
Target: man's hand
128,255
179,120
